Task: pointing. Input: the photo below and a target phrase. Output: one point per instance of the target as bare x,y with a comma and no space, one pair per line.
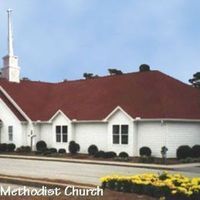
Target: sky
62,39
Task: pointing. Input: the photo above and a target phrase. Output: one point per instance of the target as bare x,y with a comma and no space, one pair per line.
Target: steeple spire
10,70
10,34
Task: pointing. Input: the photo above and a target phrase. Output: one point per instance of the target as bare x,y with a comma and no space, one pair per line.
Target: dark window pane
64,137
10,137
10,129
115,139
10,133
58,129
124,129
64,129
116,129
124,139
58,137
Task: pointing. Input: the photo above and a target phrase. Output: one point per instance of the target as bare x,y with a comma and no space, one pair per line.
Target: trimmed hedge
145,151
123,155
23,149
53,150
103,154
41,146
7,147
110,154
74,147
183,152
3,147
62,151
196,151
99,154
11,147
92,150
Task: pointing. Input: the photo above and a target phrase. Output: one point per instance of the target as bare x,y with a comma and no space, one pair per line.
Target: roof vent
144,68
115,72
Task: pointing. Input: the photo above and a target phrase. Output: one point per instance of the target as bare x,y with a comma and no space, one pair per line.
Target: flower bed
170,186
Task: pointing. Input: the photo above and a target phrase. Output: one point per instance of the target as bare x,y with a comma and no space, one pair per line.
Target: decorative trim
15,104
57,113
118,108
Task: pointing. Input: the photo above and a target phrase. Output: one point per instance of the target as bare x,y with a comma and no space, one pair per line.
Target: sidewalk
98,162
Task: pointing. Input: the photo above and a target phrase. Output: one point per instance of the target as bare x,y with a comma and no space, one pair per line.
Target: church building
118,112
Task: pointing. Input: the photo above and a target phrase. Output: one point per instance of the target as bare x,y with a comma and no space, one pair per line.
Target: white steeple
10,70
10,35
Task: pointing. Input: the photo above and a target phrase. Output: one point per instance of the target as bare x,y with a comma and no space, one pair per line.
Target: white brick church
116,112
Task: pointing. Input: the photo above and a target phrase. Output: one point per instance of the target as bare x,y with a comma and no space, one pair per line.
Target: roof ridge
108,76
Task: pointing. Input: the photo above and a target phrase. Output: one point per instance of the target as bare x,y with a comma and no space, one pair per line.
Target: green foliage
144,68
147,159
41,146
145,151
11,147
62,151
183,152
92,150
195,81
3,147
123,155
196,151
74,147
23,149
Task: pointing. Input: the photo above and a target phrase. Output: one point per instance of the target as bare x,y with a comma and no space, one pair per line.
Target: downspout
137,119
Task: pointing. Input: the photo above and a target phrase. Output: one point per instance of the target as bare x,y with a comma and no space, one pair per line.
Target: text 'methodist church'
118,112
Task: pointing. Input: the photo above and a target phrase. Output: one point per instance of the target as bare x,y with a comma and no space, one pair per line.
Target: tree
195,81
115,72
89,75
144,68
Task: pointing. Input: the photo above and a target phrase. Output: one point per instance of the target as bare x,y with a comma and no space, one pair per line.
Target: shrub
74,147
109,154
146,159
99,154
102,154
11,147
187,160
23,149
145,151
3,147
161,186
62,151
41,146
183,152
53,150
123,155
46,152
196,151
92,150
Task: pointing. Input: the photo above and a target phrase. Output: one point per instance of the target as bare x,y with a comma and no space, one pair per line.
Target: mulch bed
87,157
108,195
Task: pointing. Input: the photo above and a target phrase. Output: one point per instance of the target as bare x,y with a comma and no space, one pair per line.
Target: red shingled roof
12,107
142,94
